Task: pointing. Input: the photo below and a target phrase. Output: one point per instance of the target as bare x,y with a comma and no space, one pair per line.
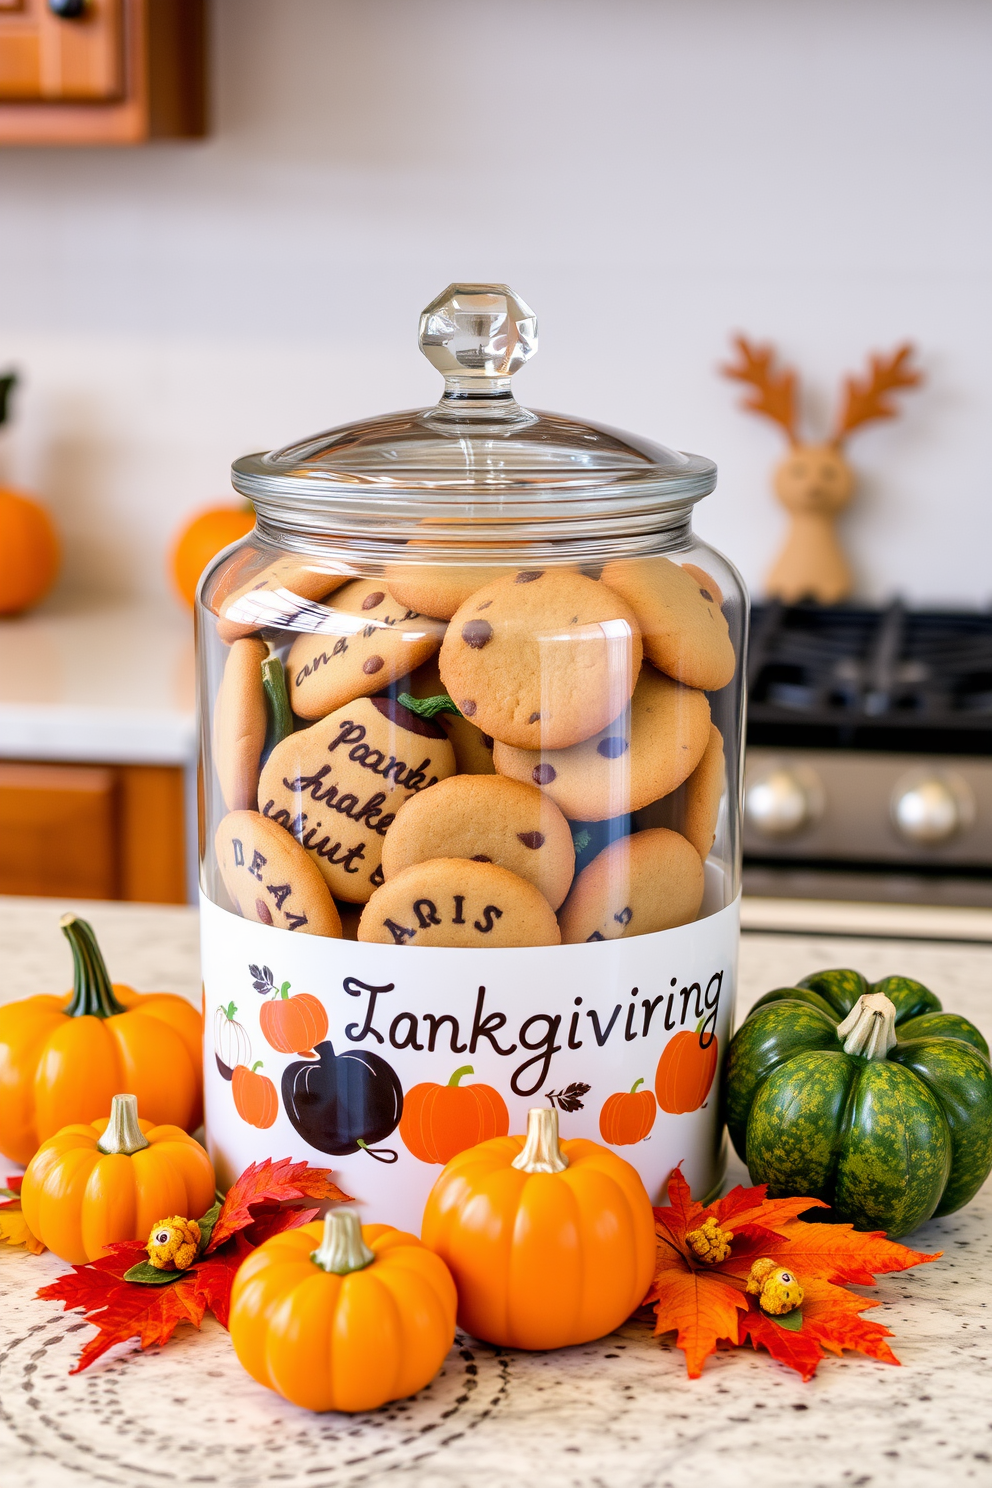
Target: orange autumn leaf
706,1303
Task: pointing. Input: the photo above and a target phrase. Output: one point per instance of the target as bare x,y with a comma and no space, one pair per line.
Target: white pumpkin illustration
231,1046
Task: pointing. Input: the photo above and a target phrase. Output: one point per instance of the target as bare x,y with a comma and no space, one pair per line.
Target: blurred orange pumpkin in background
203,537
29,552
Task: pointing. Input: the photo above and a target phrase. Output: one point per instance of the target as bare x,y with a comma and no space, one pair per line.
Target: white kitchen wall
649,174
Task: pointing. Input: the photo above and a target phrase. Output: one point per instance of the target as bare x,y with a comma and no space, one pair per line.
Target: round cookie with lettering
473,749
685,631
377,639
541,657
271,879
693,808
267,598
240,721
455,902
651,881
488,819
436,589
650,749
337,785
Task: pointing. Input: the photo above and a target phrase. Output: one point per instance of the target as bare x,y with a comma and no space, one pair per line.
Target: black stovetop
844,676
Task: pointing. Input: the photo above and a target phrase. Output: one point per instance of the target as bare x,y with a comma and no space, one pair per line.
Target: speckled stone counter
617,1414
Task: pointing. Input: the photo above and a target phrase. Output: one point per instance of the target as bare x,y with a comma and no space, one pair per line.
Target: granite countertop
98,680
619,1413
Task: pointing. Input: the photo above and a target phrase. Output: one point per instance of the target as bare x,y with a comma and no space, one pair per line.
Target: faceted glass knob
478,335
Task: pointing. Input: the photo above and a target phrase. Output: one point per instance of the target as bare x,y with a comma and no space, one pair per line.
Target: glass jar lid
477,454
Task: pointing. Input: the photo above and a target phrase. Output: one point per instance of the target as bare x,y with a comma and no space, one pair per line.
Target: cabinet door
47,57
58,830
93,832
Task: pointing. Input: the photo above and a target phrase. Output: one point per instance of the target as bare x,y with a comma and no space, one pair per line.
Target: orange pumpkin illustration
441,1120
293,1024
255,1098
685,1072
628,1116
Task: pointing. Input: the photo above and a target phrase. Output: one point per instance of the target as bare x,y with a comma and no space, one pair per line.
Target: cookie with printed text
490,820
376,640
653,746
270,877
455,902
651,881
541,657
337,785
240,720
685,631
693,808
267,597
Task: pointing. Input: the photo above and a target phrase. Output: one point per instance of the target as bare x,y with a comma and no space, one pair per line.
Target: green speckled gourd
868,1097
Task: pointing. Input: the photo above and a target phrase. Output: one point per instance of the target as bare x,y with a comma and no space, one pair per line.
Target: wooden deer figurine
815,482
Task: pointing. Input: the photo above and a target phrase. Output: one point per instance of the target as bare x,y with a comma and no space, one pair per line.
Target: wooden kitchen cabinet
85,72
92,831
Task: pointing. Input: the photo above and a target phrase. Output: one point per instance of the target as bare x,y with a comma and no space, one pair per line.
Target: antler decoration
869,398
774,391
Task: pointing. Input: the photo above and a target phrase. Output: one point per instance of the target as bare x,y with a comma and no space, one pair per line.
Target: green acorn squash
868,1097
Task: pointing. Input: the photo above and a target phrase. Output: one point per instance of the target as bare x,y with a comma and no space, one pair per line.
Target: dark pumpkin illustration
342,1102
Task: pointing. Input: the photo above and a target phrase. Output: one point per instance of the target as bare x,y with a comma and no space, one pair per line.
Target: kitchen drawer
92,831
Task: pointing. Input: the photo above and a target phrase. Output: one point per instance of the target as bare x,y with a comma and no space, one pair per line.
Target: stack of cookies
477,757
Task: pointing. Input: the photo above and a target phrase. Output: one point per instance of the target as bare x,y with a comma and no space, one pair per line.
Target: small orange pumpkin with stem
439,1121
341,1316
92,1185
628,1116
550,1243
29,552
685,1071
293,1024
255,1098
63,1062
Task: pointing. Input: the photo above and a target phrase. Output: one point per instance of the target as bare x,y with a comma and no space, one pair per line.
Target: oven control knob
929,809
778,802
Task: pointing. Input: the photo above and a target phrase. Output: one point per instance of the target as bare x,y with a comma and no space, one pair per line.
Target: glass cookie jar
471,706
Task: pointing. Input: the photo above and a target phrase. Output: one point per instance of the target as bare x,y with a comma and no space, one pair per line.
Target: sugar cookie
378,641
270,877
541,657
455,902
245,610
337,785
651,881
436,589
685,631
490,820
240,720
656,743
693,808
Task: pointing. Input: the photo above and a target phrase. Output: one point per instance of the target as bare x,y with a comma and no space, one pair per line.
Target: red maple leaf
271,1184
706,1304
255,1208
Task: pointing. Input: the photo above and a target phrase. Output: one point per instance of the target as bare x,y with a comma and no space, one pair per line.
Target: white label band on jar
375,1060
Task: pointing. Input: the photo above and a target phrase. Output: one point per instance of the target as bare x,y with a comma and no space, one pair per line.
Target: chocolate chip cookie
270,877
651,881
685,631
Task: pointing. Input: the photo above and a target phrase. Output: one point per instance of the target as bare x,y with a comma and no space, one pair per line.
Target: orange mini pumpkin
340,1316
255,1098
628,1116
685,1072
203,537
549,1243
441,1120
29,552
293,1024
92,1185
63,1062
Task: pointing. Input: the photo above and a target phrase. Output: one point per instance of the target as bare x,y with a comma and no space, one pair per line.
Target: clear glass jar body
624,747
